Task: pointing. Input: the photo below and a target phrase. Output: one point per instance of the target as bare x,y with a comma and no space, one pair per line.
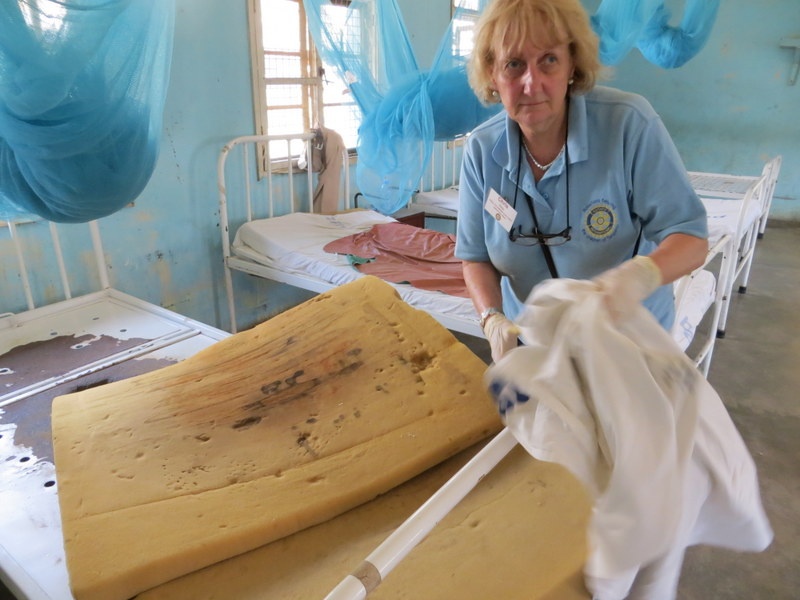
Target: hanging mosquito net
82,90
623,25
405,109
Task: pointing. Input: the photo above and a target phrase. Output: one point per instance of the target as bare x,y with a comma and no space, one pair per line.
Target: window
294,91
464,25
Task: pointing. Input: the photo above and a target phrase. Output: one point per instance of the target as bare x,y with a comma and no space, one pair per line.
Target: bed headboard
42,262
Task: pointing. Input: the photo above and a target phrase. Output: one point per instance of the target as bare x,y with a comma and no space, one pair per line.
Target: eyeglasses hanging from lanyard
536,237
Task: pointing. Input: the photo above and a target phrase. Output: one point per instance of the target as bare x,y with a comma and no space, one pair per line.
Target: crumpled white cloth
625,410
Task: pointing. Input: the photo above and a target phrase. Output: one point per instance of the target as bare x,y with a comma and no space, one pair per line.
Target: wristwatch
492,310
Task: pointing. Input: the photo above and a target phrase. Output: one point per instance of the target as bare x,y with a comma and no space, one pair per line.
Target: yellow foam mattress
519,535
262,435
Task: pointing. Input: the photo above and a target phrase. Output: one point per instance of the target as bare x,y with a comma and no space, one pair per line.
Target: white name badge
501,210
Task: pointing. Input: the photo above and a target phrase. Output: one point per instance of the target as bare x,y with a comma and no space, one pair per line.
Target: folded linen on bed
402,253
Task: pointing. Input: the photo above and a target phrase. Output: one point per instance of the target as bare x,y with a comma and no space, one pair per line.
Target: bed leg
231,301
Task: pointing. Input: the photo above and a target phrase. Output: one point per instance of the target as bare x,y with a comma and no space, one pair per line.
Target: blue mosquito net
405,109
82,91
622,25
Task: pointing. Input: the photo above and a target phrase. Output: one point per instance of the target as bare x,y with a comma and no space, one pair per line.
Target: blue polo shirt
624,176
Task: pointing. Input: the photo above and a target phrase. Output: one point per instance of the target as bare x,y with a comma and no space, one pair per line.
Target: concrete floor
756,371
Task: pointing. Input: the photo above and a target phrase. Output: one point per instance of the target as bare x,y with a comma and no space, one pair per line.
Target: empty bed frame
54,341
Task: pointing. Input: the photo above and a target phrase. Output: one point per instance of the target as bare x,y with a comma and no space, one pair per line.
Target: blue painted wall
165,248
426,22
728,110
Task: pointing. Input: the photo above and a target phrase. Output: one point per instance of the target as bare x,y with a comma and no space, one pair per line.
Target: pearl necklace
536,162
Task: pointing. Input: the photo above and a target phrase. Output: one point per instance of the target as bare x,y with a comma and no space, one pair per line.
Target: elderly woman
571,179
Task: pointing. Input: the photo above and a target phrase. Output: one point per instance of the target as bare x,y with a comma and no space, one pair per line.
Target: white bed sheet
442,202
724,213
294,243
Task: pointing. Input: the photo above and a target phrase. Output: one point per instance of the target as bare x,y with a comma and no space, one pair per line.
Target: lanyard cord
548,255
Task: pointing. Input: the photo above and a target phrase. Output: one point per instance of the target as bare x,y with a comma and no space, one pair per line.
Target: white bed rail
743,246
258,184
702,351
35,252
737,205
771,171
444,167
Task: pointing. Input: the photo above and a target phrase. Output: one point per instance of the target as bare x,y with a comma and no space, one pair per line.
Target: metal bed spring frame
106,303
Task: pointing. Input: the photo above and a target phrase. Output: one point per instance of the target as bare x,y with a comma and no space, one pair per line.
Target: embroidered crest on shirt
600,220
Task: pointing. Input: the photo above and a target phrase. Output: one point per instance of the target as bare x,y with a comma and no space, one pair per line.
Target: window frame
310,100
311,85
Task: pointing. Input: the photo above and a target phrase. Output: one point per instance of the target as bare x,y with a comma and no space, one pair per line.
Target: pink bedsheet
402,253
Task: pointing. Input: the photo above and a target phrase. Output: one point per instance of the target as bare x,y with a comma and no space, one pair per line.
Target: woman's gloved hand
625,286
502,334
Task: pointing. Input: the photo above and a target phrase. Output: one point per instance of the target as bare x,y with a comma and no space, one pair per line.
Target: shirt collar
507,147
578,141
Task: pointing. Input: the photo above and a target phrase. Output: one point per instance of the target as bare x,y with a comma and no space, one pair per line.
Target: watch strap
492,310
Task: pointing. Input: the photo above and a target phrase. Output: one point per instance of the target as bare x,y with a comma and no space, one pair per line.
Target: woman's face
532,83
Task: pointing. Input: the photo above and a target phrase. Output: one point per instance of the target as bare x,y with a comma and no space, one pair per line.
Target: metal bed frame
58,343
749,195
254,198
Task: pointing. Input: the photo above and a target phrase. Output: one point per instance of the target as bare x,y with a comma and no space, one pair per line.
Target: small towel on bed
403,253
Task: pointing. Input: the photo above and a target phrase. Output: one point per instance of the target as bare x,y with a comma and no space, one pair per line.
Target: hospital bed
738,209
437,196
268,231
61,330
